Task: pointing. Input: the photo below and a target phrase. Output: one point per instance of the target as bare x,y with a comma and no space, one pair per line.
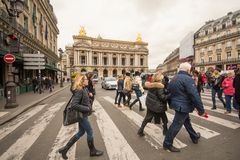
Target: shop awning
52,67
4,52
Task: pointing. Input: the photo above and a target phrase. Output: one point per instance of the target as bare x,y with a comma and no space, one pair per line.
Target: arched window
105,73
114,73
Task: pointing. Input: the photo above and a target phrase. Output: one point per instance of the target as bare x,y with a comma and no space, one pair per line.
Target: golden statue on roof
139,38
82,31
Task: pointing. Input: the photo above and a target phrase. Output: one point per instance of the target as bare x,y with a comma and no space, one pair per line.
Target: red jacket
227,86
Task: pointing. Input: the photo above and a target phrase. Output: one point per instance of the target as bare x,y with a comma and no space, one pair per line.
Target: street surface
38,133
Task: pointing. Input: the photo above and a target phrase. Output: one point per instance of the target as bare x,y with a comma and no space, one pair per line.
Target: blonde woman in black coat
156,103
81,103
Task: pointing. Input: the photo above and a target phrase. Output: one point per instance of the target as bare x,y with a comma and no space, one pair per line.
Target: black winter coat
81,101
236,85
156,100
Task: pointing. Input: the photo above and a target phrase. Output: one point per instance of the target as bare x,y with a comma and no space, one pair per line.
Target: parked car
95,78
109,83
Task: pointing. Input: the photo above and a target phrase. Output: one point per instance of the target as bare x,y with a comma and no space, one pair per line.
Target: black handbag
71,116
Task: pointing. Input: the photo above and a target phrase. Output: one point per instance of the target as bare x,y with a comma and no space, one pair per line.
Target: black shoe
213,108
195,141
140,133
93,150
172,149
63,152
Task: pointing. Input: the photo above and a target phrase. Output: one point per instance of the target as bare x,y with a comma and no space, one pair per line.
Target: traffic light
12,42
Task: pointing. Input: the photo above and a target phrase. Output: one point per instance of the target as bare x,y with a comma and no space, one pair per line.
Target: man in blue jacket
184,98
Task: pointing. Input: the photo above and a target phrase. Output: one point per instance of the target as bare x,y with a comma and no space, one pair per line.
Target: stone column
136,59
90,58
78,57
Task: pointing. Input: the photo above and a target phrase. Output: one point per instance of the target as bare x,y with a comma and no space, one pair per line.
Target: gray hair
185,66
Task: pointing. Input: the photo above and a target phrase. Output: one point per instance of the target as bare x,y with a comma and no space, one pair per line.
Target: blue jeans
85,125
219,94
179,120
228,103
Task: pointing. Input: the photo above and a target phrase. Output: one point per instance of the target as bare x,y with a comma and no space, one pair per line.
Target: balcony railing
219,39
228,48
223,61
11,22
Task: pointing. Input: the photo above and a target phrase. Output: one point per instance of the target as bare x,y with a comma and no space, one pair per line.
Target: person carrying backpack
138,89
216,83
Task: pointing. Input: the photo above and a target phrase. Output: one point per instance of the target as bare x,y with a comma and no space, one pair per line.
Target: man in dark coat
184,98
236,85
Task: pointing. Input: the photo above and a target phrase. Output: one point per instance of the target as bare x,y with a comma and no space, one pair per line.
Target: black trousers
149,116
129,97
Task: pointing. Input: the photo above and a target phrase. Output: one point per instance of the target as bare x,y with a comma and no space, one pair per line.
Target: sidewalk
26,101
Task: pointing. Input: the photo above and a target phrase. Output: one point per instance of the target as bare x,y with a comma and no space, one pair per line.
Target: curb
27,107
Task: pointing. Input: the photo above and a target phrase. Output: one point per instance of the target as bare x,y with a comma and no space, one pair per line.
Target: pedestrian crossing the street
118,146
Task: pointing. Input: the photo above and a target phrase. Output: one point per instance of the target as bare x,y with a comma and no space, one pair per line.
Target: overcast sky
162,23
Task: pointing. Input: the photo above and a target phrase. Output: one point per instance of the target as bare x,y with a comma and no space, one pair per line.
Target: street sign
33,55
9,58
34,67
34,61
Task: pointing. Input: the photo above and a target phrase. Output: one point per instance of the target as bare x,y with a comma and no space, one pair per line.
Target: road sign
33,67
9,58
34,61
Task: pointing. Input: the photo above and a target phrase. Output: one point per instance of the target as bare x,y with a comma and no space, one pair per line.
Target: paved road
38,133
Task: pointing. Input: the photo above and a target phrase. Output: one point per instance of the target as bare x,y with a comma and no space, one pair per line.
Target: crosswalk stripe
219,110
62,138
20,120
116,145
151,129
3,113
18,149
205,132
220,121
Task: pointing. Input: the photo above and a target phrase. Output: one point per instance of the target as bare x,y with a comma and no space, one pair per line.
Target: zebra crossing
117,145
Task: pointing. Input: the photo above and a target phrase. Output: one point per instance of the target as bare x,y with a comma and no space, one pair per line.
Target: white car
109,83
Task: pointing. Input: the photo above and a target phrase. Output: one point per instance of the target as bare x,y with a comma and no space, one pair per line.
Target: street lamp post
60,53
14,8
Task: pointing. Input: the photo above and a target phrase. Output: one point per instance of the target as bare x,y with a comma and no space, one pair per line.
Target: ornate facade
106,57
217,43
36,30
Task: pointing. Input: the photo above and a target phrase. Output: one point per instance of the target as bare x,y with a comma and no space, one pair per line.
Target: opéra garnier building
104,56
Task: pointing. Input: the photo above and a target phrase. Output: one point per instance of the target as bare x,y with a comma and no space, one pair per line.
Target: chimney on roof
210,21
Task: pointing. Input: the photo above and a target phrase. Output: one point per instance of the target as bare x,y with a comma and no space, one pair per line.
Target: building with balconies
217,43
171,63
36,31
